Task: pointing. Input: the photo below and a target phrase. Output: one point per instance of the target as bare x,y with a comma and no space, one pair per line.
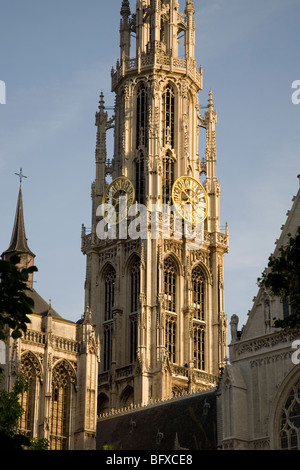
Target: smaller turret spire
18,243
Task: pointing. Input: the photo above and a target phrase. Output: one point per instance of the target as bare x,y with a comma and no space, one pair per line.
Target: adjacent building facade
60,361
260,387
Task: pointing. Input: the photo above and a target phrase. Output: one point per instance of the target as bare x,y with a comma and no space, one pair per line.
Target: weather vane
21,176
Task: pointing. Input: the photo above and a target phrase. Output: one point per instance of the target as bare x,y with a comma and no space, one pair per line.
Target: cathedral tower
156,300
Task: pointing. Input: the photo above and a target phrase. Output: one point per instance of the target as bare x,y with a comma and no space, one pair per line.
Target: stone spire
18,244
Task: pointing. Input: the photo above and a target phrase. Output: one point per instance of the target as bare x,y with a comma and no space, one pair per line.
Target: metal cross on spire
21,176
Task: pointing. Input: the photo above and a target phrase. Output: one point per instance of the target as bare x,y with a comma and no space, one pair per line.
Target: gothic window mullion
107,356
133,320
60,408
109,296
198,283
110,280
142,118
171,338
133,338
199,347
168,179
170,279
168,117
140,179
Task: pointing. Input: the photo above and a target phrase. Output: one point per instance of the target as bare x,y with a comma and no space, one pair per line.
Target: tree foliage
10,413
37,444
15,305
10,407
282,278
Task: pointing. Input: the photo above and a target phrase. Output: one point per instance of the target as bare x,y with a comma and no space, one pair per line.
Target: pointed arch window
133,319
110,281
107,353
170,281
61,400
135,286
290,421
142,117
198,285
168,117
199,346
140,178
170,274
171,328
28,397
168,178
198,298
109,300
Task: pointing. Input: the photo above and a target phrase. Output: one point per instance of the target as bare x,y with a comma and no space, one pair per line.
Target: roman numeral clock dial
190,199
118,198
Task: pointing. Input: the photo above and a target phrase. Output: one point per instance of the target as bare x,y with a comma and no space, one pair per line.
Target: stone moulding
254,345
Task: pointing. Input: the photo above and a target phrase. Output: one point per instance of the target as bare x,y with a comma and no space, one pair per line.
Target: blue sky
56,58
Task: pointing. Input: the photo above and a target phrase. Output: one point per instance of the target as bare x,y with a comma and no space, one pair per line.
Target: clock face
190,199
118,197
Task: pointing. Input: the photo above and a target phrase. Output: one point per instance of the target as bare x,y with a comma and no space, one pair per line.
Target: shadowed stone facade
60,361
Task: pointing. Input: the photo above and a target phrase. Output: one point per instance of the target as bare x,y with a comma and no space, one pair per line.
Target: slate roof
41,307
188,422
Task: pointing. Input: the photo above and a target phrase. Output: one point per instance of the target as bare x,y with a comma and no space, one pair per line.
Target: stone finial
88,315
210,100
189,8
234,326
101,102
125,9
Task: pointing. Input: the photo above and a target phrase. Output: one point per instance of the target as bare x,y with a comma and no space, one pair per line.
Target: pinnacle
125,9
101,102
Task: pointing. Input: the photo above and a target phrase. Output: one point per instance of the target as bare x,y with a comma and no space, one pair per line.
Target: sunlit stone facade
157,303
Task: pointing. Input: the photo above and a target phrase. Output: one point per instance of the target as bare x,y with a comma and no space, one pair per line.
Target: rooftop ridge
153,403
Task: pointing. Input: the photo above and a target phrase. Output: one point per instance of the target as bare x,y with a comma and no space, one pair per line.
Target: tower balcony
202,379
157,60
90,241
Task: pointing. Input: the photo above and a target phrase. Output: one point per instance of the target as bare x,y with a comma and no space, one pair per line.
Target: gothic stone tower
157,304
